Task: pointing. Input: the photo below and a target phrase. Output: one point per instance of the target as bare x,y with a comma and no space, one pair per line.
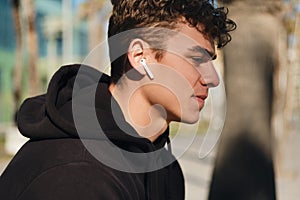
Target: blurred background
38,36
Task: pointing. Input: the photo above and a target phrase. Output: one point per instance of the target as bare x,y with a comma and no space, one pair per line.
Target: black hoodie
69,156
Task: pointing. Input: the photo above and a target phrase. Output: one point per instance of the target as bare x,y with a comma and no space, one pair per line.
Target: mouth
200,99
200,96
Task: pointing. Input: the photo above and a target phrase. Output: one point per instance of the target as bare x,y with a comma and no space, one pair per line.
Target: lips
200,99
203,97
200,96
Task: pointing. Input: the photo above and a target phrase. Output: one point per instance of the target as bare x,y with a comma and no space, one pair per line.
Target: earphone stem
148,72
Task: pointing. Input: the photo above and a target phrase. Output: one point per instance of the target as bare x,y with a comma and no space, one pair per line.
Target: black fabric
60,161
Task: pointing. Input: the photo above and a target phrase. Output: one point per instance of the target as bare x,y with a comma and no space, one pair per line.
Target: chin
191,119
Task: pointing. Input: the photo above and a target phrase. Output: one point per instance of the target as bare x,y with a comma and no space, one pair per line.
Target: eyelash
198,60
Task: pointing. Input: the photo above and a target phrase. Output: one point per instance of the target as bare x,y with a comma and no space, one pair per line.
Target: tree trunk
32,44
244,166
17,72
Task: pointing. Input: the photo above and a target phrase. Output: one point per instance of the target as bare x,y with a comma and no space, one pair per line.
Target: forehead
188,37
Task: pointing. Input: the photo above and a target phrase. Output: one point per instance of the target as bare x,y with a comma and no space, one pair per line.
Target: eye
197,60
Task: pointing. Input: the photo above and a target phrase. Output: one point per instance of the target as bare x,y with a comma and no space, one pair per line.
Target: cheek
182,67
159,94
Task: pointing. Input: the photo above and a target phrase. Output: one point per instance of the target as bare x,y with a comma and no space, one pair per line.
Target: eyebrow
199,49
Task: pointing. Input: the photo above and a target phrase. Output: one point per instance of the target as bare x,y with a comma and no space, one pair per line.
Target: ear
136,52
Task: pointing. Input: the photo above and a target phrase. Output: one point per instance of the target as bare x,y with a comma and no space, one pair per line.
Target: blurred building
63,37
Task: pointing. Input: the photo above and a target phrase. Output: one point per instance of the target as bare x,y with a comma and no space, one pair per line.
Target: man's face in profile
184,75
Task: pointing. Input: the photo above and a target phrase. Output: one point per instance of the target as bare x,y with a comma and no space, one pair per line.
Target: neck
148,120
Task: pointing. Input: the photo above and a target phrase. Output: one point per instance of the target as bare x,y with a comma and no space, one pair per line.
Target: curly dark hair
132,14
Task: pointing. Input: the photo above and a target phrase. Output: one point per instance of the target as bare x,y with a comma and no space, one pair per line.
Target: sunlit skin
182,78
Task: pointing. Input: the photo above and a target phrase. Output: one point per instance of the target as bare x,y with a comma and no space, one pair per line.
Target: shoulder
76,180
63,169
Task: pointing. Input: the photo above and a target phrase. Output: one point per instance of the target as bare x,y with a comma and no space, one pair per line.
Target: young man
99,137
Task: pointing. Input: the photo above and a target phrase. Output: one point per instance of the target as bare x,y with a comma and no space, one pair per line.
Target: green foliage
6,87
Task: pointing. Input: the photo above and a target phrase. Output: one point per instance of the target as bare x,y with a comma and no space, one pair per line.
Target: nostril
212,85
203,81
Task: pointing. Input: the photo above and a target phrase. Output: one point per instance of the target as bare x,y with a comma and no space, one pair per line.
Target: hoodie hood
79,104
49,116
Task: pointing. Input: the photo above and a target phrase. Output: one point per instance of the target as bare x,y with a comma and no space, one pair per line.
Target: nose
209,74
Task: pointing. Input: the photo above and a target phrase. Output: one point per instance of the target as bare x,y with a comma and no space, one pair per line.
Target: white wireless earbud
149,73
